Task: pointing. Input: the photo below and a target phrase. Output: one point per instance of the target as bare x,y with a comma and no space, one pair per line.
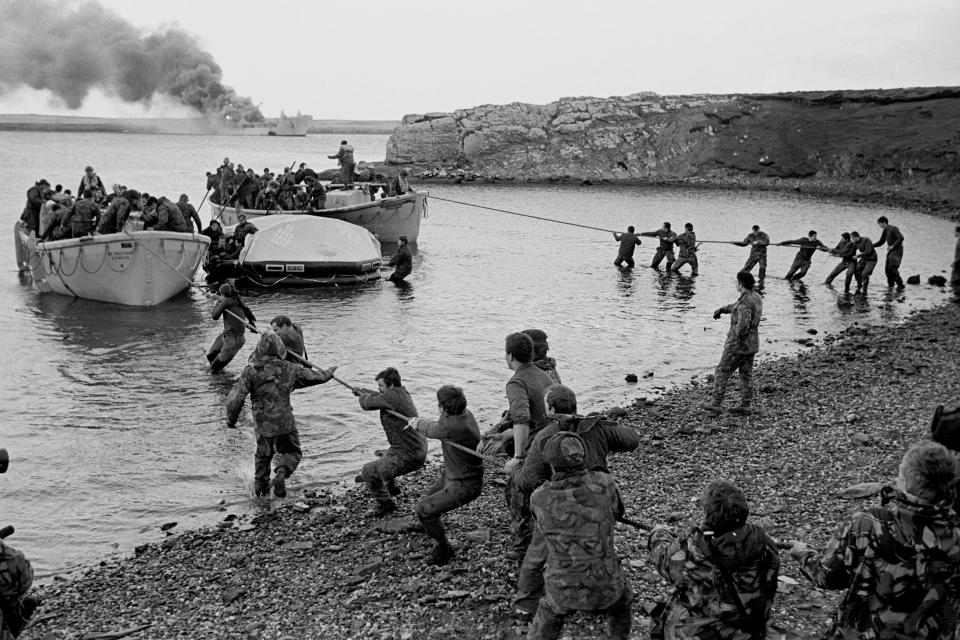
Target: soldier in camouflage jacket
706,562
269,380
898,562
576,511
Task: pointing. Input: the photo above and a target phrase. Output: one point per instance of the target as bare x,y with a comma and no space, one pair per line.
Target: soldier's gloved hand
355,392
798,550
494,444
717,314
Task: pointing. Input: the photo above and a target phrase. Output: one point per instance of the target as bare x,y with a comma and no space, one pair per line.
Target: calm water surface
115,426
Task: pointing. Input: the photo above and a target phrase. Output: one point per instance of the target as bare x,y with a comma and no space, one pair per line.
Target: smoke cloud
71,49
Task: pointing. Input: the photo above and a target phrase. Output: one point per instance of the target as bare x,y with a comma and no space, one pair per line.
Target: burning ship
285,125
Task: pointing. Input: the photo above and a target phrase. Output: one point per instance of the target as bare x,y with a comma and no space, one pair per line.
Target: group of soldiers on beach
899,563
53,213
857,254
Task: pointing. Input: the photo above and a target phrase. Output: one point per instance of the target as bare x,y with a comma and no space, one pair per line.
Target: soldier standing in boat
344,157
92,181
189,213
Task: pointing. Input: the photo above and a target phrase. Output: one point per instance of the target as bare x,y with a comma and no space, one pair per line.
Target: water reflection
800,298
625,282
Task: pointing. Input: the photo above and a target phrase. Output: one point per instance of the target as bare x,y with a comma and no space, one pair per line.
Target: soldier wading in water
269,380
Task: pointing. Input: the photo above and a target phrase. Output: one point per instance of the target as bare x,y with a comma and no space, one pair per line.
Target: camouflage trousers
729,363
379,474
286,447
521,518
224,348
660,255
755,259
443,496
530,580
690,260
548,623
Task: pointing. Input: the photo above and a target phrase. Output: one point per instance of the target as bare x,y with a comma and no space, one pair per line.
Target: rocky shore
838,414
888,146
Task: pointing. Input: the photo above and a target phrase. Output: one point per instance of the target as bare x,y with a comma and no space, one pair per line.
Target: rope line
525,215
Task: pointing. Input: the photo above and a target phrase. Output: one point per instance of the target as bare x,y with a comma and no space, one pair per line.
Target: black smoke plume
71,48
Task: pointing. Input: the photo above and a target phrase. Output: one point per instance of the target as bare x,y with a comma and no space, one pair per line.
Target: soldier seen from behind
723,572
402,262
269,380
540,358
408,449
628,243
898,563
740,348
600,437
576,511
461,478
866,259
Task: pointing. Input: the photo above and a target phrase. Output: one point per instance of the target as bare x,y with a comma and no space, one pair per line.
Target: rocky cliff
903,141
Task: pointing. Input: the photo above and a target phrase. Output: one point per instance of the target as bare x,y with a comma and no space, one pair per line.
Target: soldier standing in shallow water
628,242
269,380
740,349
232,339
665,250
845,251
804,258
687,241
893,237
866,261
758,242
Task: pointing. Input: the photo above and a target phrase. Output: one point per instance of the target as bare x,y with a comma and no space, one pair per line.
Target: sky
383,59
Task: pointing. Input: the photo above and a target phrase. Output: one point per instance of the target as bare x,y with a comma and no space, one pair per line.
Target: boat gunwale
323,212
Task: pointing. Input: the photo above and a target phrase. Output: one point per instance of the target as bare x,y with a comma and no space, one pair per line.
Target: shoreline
834,415
942,204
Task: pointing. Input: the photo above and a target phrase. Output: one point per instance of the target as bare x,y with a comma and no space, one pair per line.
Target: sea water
115,426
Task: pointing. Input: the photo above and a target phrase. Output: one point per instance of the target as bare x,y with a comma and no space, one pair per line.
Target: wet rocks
914,279
937,281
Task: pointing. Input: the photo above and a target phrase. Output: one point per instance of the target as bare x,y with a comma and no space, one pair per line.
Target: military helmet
565,452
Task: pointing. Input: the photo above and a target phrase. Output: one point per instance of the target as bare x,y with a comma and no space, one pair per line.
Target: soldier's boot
443,552
392,488
715,405
279,482
382,508
261,488
741,410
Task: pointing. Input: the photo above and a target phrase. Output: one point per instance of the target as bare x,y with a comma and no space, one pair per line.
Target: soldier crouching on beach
408,449
461,479
897,563
599,437
724,573
16,577
269,380
576,512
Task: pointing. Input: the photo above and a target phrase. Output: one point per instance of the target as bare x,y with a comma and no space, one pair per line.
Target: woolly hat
928,471
270,344
565,452
725,507
226,290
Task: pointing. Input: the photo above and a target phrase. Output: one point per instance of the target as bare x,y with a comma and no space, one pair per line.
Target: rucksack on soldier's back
16,577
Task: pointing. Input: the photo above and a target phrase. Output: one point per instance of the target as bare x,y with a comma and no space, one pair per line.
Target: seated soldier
576,512
85,215
16,578
724,573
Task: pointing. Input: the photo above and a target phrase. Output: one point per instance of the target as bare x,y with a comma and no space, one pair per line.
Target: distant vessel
285,125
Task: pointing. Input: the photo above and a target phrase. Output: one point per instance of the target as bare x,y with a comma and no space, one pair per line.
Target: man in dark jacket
36,196
600,437
292,336
269,380
845,251
169,217
687,241
92,182
461,479
402,261
866,260
344,157
740,348
408,449
628,242
724,573
893,237
85,216
804,257
189,213
540,349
